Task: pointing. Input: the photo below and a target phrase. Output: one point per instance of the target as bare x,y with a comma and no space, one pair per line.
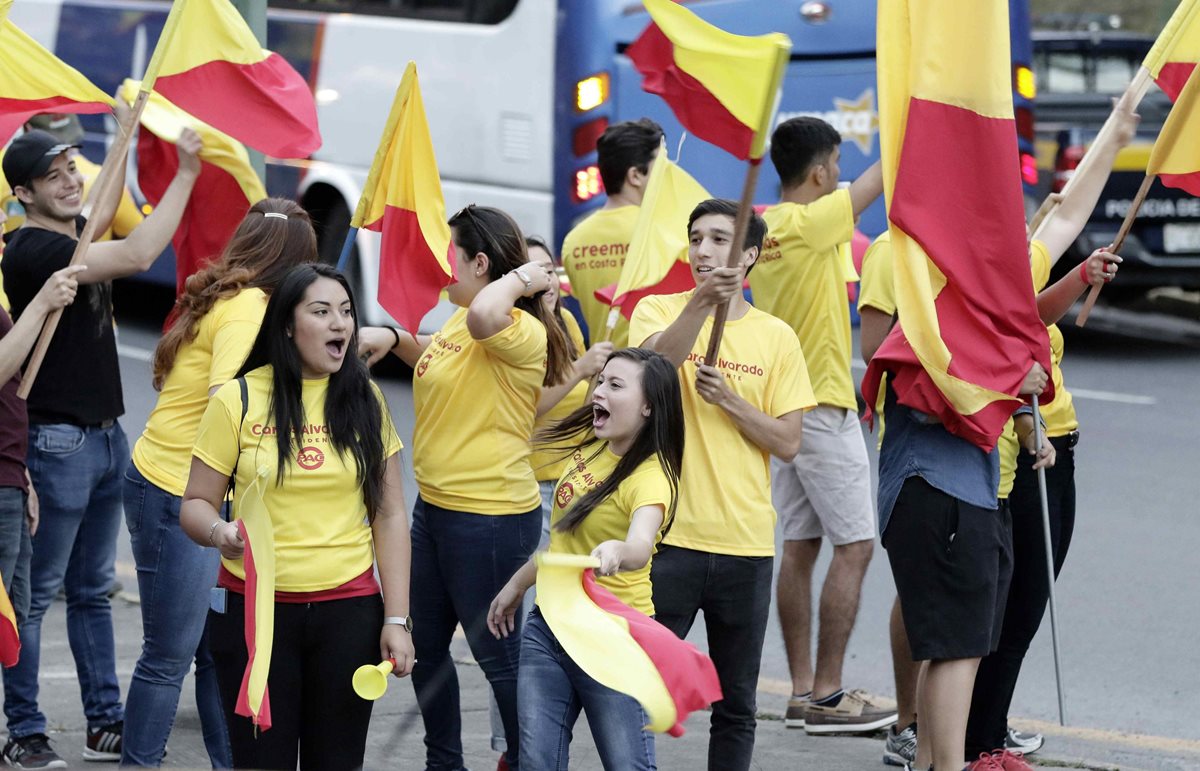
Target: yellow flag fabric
1176,152
33,80
5,5
660,236
200,31
598,641
254,525
1179,40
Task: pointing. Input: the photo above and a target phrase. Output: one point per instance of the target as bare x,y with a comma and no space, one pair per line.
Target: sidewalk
396,731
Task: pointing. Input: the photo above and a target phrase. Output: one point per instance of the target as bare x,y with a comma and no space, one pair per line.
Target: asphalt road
1128,608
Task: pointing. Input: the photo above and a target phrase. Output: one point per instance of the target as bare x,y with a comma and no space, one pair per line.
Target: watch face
408,624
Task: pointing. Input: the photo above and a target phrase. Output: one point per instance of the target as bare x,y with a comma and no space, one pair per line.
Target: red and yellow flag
1176,155
209,63
33,80
969,329
258,559
1177,49
621,648
722,87
657,259
402,201
226,189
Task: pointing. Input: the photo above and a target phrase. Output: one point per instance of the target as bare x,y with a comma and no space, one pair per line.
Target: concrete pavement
395,739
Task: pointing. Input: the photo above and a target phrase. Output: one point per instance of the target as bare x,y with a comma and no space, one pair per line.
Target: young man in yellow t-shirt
593,253
718,555
825,492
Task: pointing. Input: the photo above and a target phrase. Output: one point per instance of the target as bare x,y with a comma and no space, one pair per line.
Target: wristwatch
521,274
404,621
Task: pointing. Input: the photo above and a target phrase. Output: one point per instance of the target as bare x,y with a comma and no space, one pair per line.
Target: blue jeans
460,562
16,549
552,689
174,578
77,474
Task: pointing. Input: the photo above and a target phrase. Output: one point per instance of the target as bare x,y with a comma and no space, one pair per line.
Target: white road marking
133,352
1078,393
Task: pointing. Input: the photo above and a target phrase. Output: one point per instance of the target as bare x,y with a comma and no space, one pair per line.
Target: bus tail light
1029,169
1024,120
1024,82
1065,165
591,92
583,141
587,184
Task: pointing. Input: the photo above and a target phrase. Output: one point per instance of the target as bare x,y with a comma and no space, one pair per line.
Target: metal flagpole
1037,437
347,248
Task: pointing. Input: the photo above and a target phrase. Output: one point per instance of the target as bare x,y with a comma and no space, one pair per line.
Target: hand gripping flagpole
1041,473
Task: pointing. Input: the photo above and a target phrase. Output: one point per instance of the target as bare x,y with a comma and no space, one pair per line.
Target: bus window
1064,73
470,11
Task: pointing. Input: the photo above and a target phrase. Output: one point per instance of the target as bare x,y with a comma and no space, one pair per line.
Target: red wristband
1083,272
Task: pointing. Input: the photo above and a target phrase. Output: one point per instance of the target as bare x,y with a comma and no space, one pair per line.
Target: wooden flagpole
1138,199
111,175
741,222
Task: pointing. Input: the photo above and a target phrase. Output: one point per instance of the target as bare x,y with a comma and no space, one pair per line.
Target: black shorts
952,563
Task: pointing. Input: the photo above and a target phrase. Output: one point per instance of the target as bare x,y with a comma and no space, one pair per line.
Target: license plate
1181,238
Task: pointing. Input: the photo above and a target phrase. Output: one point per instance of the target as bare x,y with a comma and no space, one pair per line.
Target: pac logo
564,495
856,120
423,364
310,458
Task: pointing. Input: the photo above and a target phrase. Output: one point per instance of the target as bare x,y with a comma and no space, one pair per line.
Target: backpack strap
226,511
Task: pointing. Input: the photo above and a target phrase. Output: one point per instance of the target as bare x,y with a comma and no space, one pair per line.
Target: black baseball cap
30,155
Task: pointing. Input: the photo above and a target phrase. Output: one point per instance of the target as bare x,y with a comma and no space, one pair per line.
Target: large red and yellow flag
722,87
1176,155
621,648
33,80
657,259
969,329
402,201
1177,49
208,63
226,189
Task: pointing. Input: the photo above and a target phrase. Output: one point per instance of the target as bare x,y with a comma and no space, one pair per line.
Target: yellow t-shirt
322,539
593,254
475,404
1007,446
725,492
801,278
549,466
224,335
1059,414
876,289
646,486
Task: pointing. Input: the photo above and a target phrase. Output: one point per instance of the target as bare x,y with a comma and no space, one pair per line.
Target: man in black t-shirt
77,451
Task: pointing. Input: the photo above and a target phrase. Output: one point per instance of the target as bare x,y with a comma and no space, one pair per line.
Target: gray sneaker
32,751
1026,744
900,748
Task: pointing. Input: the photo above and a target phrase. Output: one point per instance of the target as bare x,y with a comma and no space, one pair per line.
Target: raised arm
1075,208
116,259
58,292
586,366
1055,300
865,189
491,310
375,342
676,341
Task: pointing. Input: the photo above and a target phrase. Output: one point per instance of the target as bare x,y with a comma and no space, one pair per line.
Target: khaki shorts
826,490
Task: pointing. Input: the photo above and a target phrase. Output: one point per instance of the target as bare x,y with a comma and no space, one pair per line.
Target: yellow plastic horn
370,681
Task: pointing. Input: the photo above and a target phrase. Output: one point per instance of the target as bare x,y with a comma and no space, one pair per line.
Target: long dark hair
352,410
482,229
538,242
259,253
661,436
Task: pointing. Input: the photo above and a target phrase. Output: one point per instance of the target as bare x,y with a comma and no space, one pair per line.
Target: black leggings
315,715
1028,593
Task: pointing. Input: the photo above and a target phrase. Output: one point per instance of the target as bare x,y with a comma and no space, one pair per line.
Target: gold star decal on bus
857,120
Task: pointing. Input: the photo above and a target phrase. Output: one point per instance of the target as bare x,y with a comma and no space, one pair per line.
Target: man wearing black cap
77,450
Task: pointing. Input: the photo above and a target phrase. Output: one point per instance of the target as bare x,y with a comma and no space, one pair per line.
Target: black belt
1066,441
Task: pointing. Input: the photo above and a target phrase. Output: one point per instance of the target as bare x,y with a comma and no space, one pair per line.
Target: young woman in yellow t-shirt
612,502
318,506
215,321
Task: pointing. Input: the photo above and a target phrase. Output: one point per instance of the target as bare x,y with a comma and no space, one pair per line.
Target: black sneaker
32,751
1026,744
104,744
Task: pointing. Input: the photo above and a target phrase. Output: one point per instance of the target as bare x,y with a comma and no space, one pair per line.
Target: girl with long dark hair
613,501
215,321
314,460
